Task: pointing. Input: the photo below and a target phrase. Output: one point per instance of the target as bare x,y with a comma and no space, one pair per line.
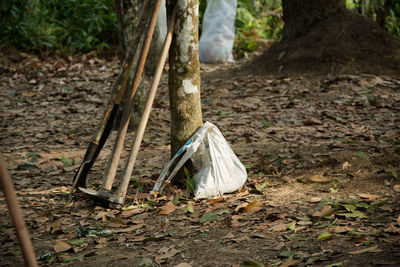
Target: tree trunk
184,74
127,17
300,15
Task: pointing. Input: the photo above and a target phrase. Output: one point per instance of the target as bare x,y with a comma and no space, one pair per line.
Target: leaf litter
322,156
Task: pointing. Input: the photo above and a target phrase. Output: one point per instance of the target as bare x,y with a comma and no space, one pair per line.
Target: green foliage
70,26
393,21
190,182
257,24
390,9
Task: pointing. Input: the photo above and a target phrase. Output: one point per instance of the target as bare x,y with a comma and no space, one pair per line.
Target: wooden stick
123,186
16,215
123,128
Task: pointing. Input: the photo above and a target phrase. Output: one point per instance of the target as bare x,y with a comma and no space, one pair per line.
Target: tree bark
184,74
300,15
127,17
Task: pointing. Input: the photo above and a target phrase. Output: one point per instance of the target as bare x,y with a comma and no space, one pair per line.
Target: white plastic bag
218,31
218,170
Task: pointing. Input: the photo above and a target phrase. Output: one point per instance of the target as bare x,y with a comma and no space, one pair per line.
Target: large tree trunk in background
127,16
300,15
184,74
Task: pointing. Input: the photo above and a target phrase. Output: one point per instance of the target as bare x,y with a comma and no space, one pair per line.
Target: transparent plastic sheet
218,169
218,31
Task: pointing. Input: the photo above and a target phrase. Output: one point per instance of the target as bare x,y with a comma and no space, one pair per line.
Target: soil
321,147
343,43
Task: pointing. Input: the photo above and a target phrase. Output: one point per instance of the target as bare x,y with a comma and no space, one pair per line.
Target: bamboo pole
123,186
123,128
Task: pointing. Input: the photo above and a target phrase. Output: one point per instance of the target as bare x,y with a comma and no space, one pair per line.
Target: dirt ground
321,148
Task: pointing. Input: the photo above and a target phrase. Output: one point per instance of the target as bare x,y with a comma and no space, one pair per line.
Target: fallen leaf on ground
129,229
146,262
324,236
167,209
396,187
101,214
278,246
346,166
278,227
324,212
253,207
116,222
131,212
215,201
208,217
229,236
251,263
370,249
61,246
358,239
165,254
289,263
315,199
317,178
189,208
368,197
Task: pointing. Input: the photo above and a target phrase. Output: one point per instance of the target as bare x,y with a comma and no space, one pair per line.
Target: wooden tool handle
16,215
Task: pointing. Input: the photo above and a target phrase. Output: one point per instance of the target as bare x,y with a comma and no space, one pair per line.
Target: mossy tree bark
300,15
184,74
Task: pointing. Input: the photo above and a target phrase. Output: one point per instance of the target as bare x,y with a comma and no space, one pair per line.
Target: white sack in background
218,32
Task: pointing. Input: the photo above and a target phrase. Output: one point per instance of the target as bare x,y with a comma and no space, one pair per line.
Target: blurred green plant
258,23
393,20
68,26
386,13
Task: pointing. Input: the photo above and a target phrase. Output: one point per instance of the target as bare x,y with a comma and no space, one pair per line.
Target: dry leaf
370,249
101,240
103,214
398,220
129,229
229,236
241,206
278,227
167,209
368,197
324,212
215,201
289,263
315,199
129,213
396,187
341,229
243,193
346,166
279,246
358,239
253,207
61,246
318,178
116,222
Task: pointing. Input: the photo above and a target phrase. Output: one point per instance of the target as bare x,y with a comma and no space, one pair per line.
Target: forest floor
322,154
